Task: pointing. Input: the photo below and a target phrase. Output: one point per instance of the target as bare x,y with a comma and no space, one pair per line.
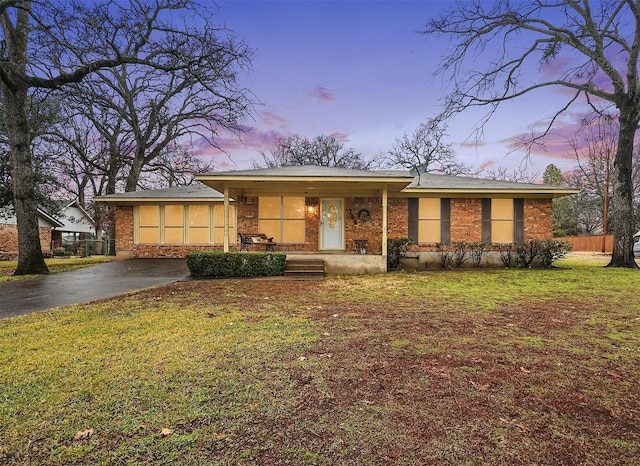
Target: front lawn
438,367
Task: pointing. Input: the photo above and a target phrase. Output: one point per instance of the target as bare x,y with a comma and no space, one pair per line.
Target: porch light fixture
312,209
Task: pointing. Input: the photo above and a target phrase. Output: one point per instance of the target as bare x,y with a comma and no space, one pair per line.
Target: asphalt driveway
88,284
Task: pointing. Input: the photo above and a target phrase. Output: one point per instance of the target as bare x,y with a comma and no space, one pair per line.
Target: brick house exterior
9,233
330,212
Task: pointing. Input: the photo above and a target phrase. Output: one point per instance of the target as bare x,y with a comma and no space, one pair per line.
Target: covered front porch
340,216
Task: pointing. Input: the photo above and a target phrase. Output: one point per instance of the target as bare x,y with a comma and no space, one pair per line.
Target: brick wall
538,219
466,220
124,228
9,239
397,218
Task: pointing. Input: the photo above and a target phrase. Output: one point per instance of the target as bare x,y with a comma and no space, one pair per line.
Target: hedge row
217,264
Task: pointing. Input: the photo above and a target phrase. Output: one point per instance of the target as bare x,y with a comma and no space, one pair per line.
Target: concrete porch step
304,268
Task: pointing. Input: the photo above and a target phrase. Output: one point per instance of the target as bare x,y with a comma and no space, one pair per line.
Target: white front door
332,224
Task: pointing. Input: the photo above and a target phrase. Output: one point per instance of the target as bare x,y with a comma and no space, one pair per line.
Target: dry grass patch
453,367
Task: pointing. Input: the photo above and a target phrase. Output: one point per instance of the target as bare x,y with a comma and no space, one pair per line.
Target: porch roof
308,180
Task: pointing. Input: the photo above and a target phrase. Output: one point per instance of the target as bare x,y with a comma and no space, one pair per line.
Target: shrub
477,252
548,251
217,264
446,255
552,250
506,253
396,250
527,252
461,251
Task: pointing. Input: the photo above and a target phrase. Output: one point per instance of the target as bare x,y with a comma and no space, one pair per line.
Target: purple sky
359,70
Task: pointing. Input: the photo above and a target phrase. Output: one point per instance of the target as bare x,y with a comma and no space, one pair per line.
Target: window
182,224
199,224
503,220
429,220
174,224
282,218
149,224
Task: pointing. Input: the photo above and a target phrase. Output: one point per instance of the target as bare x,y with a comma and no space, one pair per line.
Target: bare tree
322,151
426,151
602,42
153,108
594,147
519,175
50,44
174,166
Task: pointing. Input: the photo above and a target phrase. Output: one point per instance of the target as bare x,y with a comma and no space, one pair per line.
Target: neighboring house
77,224
331,213
9,232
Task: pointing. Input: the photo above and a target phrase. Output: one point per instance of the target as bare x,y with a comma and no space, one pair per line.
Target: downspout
226,219
384,226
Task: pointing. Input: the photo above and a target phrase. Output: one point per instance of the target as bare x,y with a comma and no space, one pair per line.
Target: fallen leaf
479,387
142,426
210,315
83,434
165,432
221,436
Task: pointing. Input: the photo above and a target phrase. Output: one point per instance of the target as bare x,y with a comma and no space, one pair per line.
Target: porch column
226,220
384,222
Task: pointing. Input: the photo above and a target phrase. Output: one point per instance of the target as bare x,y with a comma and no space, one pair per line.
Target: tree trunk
622,214
30,257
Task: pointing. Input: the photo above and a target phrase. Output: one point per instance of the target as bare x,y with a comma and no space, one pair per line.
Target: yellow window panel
218,215
429,209
269,207
292,231
271,228
429,231
149,235
501,209
174,215
502,231
199,215
199,235
174,235
293,207
149,216
218,235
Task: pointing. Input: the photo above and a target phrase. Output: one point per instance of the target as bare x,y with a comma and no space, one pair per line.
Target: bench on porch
249,239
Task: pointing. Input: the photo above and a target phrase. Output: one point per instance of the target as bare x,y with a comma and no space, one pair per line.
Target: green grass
55,266
453,367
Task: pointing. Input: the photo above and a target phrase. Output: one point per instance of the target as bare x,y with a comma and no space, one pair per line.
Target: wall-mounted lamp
312,209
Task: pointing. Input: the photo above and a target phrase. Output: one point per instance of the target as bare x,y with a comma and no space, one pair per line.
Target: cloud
270,118
323,94
486,165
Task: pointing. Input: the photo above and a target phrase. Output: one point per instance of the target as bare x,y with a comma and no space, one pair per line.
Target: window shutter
445,221
413,219
518,221
486,221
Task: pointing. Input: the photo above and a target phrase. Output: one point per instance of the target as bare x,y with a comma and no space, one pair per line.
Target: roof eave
487,192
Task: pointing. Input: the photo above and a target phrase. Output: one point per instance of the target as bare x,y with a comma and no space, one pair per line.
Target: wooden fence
589,243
